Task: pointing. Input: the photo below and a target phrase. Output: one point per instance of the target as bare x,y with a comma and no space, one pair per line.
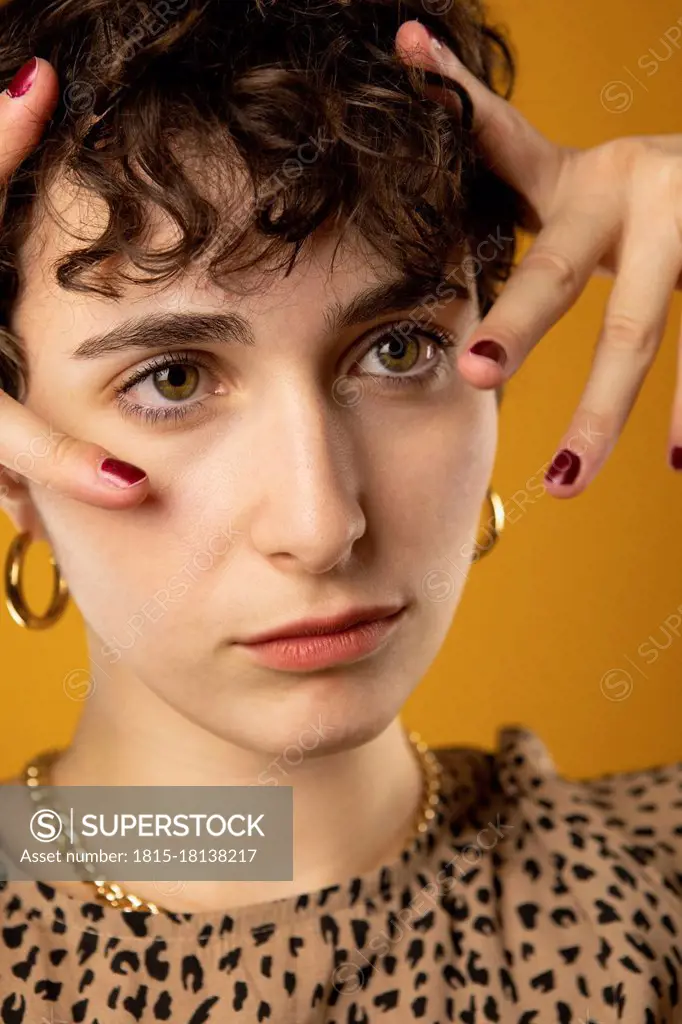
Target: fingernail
441,48
23,80
565,468
435,42
121,474
490,350
676,458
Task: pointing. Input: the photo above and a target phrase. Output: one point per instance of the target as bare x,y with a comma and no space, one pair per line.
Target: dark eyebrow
179,330
175,330
394,297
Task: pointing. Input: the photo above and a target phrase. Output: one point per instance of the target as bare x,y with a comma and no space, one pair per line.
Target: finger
30,448
25,107
634,324
676,424
541,289
512,147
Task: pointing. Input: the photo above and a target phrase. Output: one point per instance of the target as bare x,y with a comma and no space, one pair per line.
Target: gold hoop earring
14,598
495,524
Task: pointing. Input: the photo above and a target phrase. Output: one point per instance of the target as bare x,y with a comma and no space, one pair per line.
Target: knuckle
64,450
562,269
616,159
625,153
623,332
676,204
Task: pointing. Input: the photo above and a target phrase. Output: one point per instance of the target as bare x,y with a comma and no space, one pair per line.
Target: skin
298,498
612,209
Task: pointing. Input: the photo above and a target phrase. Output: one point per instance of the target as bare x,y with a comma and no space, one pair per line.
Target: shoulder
631,816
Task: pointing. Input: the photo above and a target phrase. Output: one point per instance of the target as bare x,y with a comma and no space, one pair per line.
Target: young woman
255,253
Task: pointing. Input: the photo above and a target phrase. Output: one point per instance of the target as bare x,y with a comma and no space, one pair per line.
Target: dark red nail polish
121,474
490,350
23,80
565,468
676,458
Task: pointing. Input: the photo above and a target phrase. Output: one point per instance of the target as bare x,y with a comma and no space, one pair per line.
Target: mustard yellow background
553,626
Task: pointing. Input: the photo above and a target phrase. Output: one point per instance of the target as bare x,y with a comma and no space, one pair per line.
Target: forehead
333,270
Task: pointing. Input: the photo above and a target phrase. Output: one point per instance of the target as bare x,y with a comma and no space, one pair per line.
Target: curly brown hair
305,100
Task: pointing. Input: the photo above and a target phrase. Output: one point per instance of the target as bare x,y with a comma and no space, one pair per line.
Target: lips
325,626
313,645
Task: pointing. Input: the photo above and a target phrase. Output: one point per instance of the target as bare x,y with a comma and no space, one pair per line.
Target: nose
306,511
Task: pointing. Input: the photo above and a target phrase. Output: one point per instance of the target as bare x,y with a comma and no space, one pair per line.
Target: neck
151,744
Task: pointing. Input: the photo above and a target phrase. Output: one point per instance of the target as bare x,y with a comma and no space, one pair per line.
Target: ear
17,502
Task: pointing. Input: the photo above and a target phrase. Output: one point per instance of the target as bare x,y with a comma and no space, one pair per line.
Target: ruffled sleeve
601,860
641,810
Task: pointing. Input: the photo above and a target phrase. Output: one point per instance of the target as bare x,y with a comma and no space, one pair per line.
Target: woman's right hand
29,446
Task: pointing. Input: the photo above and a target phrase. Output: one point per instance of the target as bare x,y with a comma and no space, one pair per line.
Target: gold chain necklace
37,776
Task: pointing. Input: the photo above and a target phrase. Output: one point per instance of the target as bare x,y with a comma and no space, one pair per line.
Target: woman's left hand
616,208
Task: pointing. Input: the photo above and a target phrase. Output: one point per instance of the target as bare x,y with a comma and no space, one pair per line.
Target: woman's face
303,461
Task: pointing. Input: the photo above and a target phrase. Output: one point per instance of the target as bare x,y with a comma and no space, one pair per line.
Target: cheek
431,475
162,570
143,573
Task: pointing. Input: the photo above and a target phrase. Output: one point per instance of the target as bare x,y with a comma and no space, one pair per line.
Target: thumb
25,106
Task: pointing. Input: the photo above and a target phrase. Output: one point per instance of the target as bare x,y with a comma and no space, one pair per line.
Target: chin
300,716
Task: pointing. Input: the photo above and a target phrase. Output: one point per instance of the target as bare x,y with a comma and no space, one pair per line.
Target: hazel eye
176,383
399,354
170,386
408,351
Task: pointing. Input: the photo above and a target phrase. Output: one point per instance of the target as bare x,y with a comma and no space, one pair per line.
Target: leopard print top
532,899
